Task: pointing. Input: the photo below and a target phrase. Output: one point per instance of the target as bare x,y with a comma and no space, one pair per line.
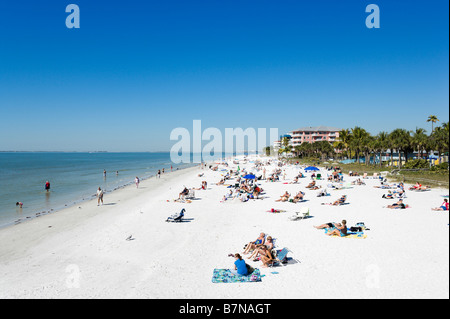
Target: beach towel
226,276
181,200
350,234
273,210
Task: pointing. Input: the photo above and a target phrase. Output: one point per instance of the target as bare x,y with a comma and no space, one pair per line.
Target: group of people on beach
259,249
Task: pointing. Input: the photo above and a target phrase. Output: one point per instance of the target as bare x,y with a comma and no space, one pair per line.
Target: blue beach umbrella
249,176
311,168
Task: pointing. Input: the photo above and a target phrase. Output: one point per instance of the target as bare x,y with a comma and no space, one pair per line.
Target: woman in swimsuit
263,249
284,197
399,204
298,197
253,244
443,207
339,229
328,225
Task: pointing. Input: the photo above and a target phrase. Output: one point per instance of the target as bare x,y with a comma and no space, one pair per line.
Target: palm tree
433,119
382,143
358,140
419,139
401,141
345,137
440,139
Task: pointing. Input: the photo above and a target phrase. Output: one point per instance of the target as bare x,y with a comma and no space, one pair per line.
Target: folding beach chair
302,214
191,194
280,257
176,218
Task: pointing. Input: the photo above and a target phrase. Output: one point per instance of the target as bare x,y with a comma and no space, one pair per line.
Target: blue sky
135,70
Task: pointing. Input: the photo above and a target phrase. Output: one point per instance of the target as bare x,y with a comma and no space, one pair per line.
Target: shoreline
69,213
77,201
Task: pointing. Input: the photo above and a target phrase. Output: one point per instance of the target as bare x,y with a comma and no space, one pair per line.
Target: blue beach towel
350,234
226,276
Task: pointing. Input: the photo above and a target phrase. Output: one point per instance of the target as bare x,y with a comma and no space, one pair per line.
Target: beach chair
375,175
176,218
302,214
280,257
365,175
342,200
191,194
319,176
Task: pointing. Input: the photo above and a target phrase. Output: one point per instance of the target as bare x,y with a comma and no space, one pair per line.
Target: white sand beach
82,251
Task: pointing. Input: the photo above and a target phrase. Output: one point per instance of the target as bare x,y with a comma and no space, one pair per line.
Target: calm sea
73,177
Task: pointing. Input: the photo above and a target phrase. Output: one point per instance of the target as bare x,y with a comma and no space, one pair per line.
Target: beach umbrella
249,176
311,168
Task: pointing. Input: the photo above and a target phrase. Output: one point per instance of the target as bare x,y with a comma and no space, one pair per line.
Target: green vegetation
357,143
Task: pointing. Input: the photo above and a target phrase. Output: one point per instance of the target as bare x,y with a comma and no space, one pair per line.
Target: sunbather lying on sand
399,204
312,184
419,187
339,229
204,184
340,201
327,225
298,197
284,197
443,207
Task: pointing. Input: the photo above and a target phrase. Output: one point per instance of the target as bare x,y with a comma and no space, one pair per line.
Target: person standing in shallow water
47,186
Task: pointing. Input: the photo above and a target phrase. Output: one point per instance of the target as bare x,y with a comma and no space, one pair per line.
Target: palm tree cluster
357,143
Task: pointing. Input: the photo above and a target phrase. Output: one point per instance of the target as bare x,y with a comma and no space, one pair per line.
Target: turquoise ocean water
73,177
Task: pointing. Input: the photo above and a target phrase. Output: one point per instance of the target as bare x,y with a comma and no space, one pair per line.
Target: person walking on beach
171,168
136,181
47,186
99,196
159,174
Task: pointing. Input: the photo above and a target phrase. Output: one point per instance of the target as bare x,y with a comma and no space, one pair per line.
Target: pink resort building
314,134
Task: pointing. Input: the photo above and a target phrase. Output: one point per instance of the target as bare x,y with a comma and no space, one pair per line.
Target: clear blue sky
135,70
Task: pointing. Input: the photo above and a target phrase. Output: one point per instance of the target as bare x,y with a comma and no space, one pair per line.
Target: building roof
321,128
